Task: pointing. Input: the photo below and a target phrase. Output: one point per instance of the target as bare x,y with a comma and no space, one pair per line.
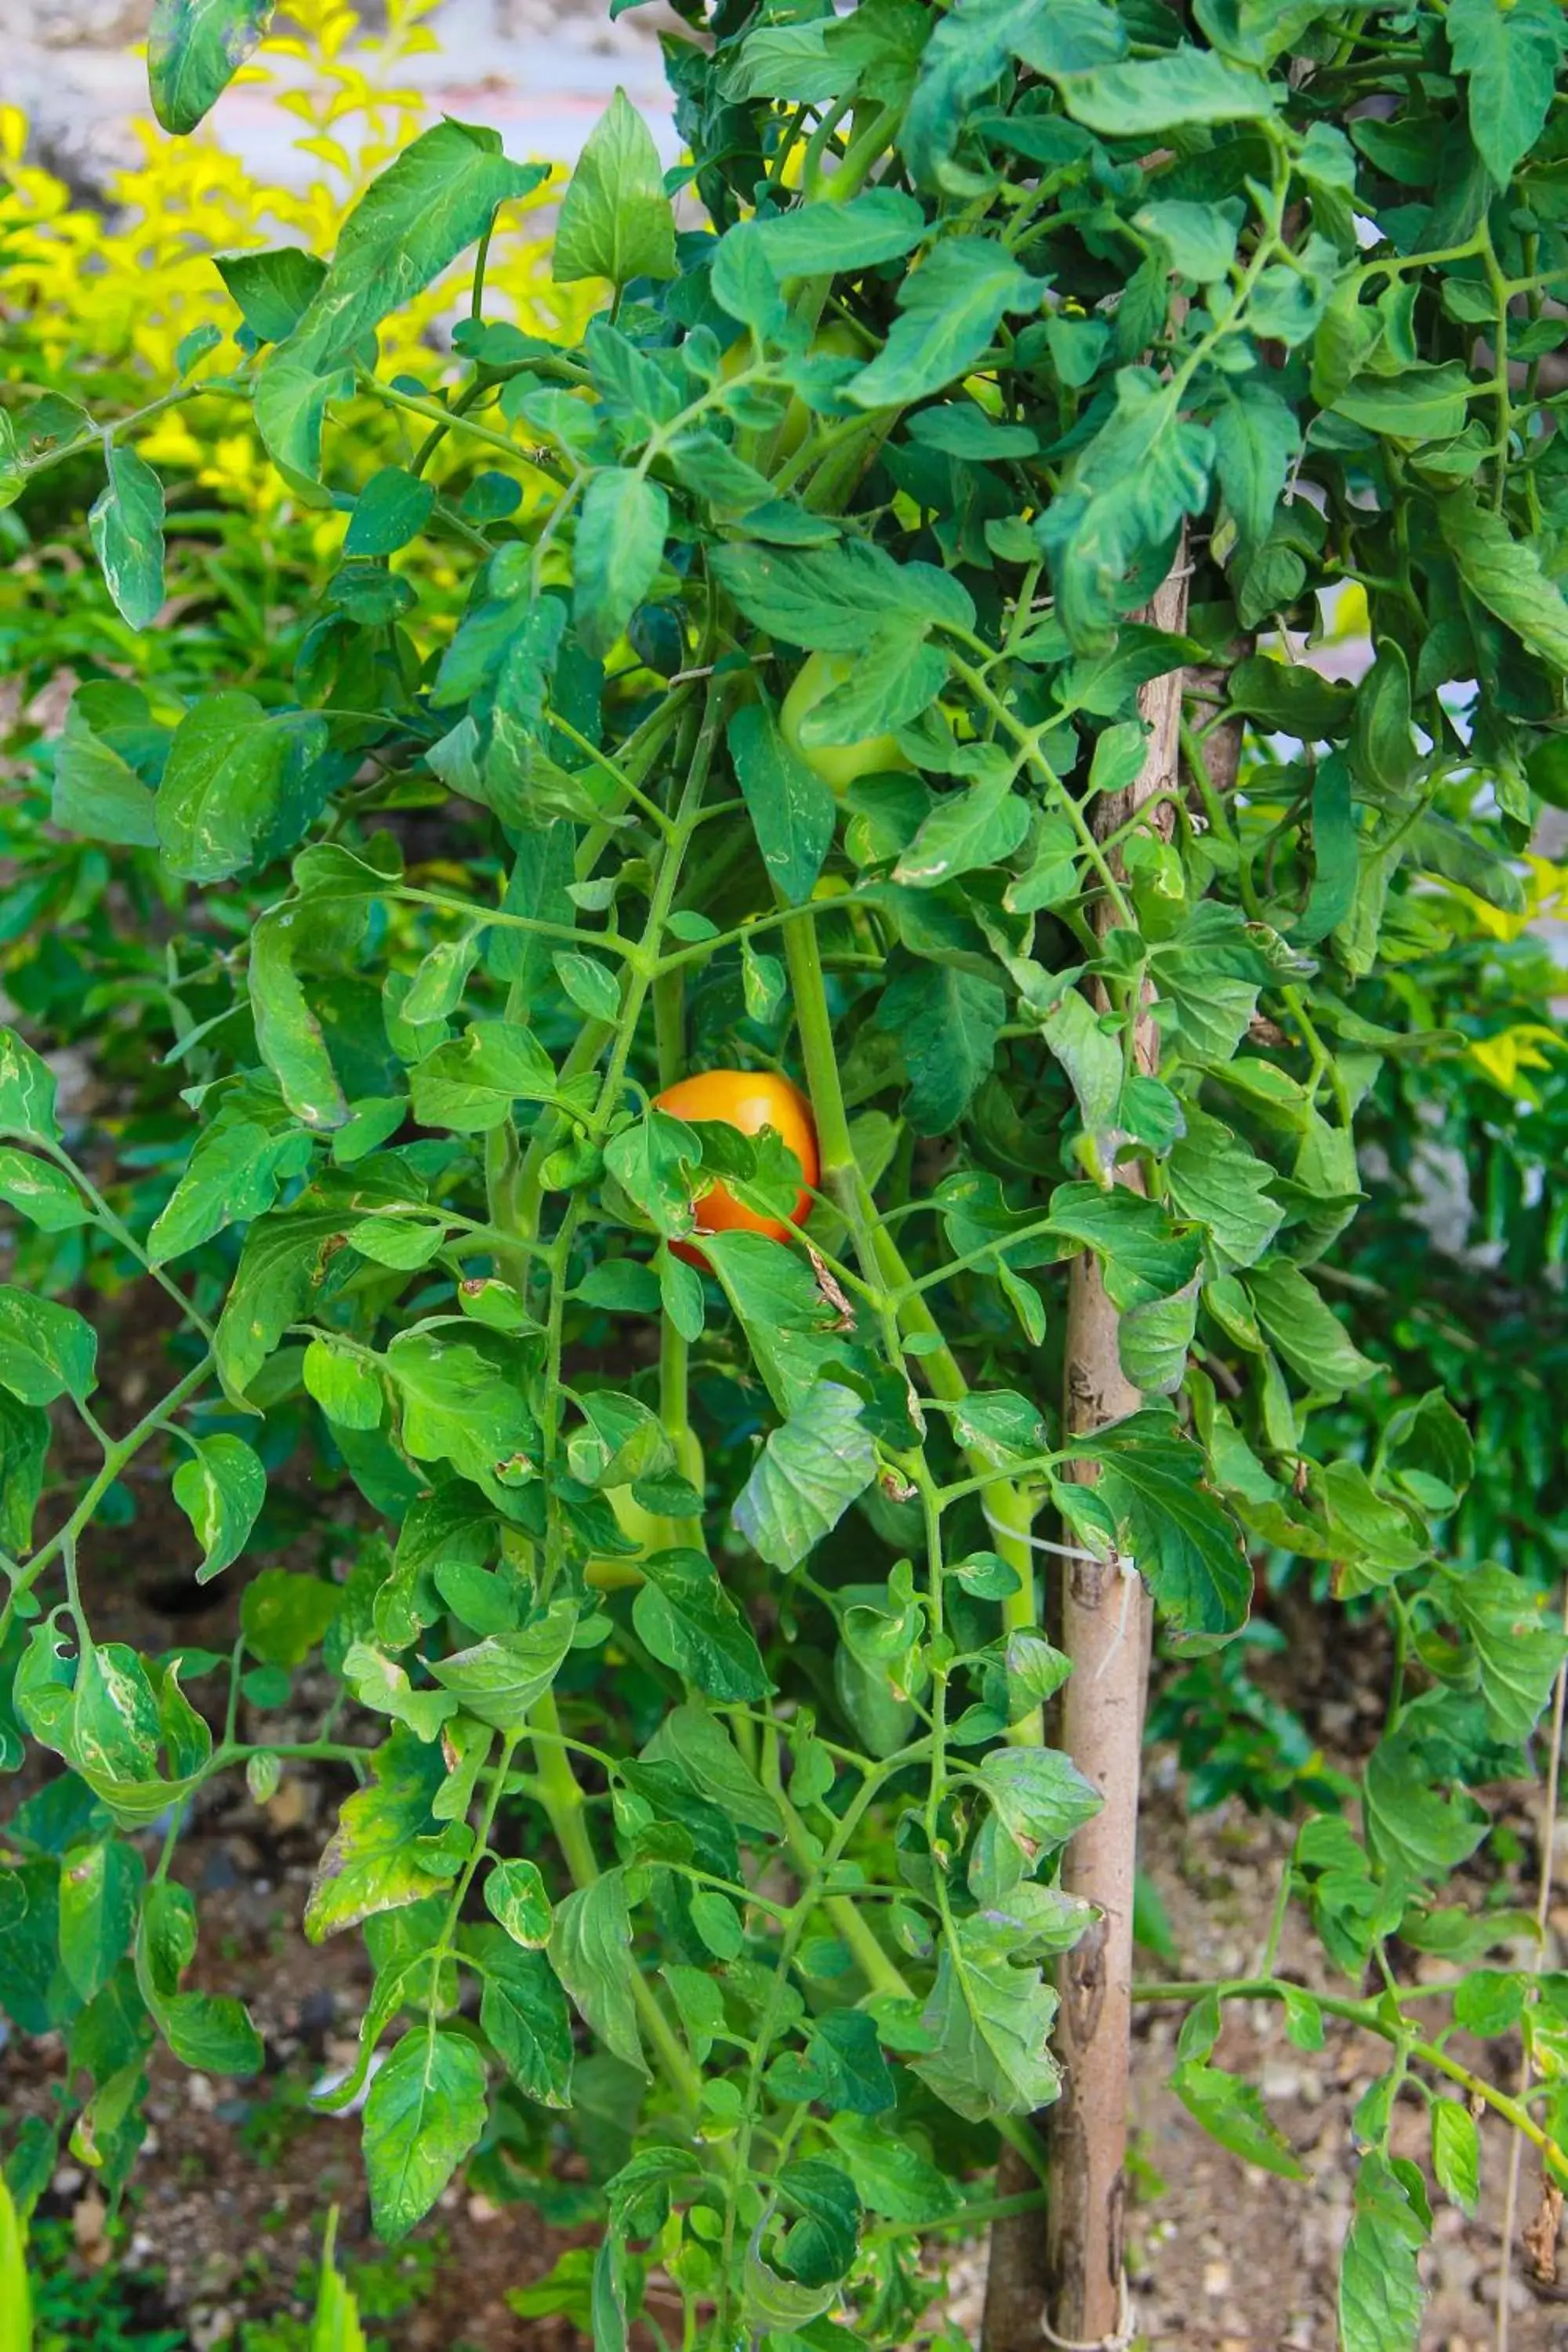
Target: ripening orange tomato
750,1100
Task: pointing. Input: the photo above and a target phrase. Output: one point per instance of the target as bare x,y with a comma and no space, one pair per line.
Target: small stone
67,2179
1216,2278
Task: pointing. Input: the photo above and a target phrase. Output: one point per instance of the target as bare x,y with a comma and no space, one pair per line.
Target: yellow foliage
1545,893
95,305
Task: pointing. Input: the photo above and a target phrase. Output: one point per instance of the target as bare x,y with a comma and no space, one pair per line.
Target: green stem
898,1304
1373,2017
24,1577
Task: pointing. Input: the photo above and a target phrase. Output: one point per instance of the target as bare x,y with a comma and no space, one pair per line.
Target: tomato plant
807,1027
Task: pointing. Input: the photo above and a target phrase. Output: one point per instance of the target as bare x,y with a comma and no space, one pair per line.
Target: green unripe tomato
838,339
839,765
645,1528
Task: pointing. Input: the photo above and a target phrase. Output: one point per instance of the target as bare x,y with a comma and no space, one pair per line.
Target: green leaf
655,1162
1306,1332
590,1951
425,2112
46,1350
828,240
989,2023
24,1448
1509,55
688,1622
232,1175
127,527
1518,1646
273,289
1456,2153
514,1894
949,311
1122,505
26,1091
696,1744
890,2175
947,1022
288,1034
236,776
591,985
372,1860
283,1261
210,2031
836,599
1232,2111
1380,2297
524,2015
393,508
1186,86
1208,979
345,1387
1420,403
500,1678
1418,1834
98,794
41,1193
431,203
334,2325
1199,238
1174,1530
793,812
1507,576
284,1615
615,220
806,1476
822,2244
978,826
470,1085
379,1682
620,544
100,1896
1256,438
965,56
220,1490
1039,1795
1214,1179
1153,1342
194,48
15,2293
1144,1257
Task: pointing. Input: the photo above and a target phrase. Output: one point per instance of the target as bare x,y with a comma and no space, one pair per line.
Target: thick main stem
1074,2273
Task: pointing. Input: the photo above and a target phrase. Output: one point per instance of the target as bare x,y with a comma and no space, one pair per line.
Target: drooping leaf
590,1951
425,2112
690,1622
1172,1526
220,1489
127,527
194,48
791,810
620,543
806,1476
949,310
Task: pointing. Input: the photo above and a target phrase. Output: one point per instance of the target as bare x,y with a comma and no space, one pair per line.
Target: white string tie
1126,2328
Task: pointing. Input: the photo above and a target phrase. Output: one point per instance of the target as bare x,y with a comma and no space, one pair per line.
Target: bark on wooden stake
1070,2272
